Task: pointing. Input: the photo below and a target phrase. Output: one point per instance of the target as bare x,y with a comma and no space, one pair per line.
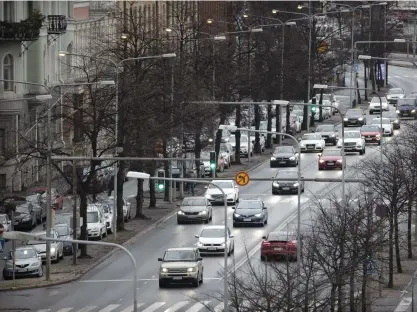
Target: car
38,205
281,184
386,125
250,211
261,142
181,265
394,119
312,142
56,198
57,248
279,245
194,209
394,94
375,105
65,218
6,222
354,117
226,152
299,113
406,108
212,240
329,133
64,232
284,156
127,213
371,134
96,224
27,263
353,142
107,209
24,217
331,159
244,146
215,196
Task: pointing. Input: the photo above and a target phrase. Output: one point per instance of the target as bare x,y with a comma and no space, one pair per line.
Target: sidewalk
400,59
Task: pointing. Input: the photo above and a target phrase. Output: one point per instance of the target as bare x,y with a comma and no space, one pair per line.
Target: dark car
284,156
24,217
250,211
354,117
38,205
393,117
406,108
282,184
194,209
329,133
371,134
64,232
279,245
331,159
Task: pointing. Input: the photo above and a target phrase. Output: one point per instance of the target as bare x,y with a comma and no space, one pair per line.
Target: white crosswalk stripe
87,309
110,308
130,308
65,310
177,306
198,306
154,307
44,310
219,307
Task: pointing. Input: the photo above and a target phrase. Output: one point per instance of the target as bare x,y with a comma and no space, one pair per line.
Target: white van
96,223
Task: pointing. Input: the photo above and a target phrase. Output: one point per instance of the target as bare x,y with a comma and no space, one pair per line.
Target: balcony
22,31
57,24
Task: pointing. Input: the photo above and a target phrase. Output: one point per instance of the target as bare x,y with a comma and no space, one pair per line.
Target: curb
56,283
393,63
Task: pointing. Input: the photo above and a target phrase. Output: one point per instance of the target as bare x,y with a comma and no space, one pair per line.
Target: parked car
96,224
127,213
56,198
57,248
64,232
227,149
6,222
27,263
38,205
24,217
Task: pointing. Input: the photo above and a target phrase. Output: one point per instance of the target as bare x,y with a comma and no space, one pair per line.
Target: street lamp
146,176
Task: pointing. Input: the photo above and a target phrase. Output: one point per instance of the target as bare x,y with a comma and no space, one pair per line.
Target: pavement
108,286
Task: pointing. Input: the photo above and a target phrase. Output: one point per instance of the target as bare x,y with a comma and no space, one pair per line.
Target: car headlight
192,269
302,144
35,264
339,160
276,184
273,158
180,212
230,195
296,184
27,218
397,111
292,158
53,249
360,119
333,135
199,244
164,270
202,212
222,244
321,161
237,215
258,215
207,196
345,119
413,111
396,121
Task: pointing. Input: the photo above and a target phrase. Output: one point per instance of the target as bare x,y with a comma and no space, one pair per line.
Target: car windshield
217,233
60,219
370,129
243,138
378,121
353,113
249,204
92,217
35,242
352,134
24,254
62,230
193,202
311,137
283,149
278,236
223,148
32,198
395,91
3,219
376,100
325,128
22,209
286,174
179,255
221,184
331,153
405,104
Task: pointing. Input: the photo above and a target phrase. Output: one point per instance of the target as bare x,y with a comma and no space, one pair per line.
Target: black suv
284,156
285,181
329,133
354,117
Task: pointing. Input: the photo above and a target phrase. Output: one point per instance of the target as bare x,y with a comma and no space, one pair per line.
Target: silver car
394,94
57,248
5,221
64,232
27,263
194,209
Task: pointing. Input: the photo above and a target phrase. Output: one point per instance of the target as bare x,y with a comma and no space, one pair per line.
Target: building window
8,11
8,72
3,185
2,141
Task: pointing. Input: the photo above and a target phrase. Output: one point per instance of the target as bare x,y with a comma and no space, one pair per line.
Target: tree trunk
237,135
364,291
268,143
391,251
287,120
197,152
152,190
83,215
166,169
257,134
120,181
333,298
278,123
139,201
397,244
366,80
409,234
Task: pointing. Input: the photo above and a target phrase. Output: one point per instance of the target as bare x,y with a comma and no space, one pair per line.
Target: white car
57,248
394,94
126,209
261,142
212,240
386,125
312,142
229,187
354,143
375,105
96,223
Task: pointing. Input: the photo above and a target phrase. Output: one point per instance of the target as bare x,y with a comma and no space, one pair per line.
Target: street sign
242,178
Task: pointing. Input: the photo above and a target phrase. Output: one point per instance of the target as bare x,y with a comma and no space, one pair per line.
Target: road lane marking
219,307
177,306
44,310
154,307
198,306
65,310
130,308
87,309
109,308
404,305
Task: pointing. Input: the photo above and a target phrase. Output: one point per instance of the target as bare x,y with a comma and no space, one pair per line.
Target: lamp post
117,66
146,176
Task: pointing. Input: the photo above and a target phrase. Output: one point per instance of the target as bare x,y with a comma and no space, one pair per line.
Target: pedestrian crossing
181,306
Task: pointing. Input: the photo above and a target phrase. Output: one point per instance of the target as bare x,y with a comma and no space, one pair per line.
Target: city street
108,288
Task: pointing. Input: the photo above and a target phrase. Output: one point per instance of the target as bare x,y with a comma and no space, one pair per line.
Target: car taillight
321,161
292,243
265,243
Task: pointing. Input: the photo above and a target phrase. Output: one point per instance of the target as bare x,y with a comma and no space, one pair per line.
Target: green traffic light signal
313,109
160,186
212,166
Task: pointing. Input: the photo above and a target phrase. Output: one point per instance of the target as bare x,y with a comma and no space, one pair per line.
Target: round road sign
242,178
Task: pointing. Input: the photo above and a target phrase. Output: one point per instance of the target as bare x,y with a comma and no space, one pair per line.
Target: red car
331,159
57,200
279,245
371,134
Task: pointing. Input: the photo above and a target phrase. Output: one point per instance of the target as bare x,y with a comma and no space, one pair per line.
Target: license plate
247,220
405,114
22,270
277,248
212,248
282,162
177,278
353,121
286,188
310,147
331,163
368,139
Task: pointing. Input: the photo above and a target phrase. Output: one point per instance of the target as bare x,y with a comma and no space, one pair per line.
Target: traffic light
161,182
213,160
313,105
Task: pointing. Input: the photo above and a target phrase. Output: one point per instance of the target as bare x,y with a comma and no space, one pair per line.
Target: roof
181,248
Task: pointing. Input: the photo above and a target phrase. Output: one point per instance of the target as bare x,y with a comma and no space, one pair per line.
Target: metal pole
13,249
116,138
225,281
48,195
282,62
213,78
309,60
353,60
74,211
171,185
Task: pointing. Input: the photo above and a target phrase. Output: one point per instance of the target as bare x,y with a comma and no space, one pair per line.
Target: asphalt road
108,288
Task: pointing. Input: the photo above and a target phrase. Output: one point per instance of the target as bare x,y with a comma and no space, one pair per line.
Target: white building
28,54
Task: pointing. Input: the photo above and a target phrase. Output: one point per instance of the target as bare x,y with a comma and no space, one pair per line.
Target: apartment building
31,34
